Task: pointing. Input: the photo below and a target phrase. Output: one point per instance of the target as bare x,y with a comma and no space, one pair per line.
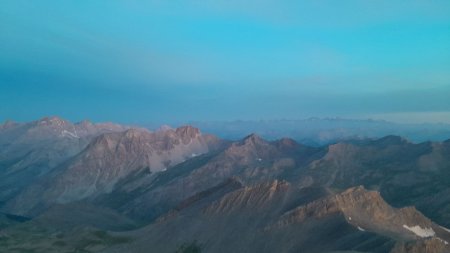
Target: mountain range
323,131
88,187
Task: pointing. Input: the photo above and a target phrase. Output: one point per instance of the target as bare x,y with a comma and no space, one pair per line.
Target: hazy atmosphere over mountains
225,126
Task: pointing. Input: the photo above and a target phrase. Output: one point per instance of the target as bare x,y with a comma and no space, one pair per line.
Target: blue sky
172,61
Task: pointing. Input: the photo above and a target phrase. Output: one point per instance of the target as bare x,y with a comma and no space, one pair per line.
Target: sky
171,61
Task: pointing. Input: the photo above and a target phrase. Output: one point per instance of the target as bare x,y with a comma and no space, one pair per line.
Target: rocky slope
108,159
252,160
280,217
29,151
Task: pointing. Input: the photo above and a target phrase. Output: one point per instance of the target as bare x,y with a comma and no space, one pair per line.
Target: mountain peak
187,131
253,139
52,121
391,140
164,128
135,132
85,123
360,189
286,144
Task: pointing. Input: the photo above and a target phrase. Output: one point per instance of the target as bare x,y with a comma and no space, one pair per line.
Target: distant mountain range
323,131
89,187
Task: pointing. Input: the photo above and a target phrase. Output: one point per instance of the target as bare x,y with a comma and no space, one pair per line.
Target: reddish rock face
187,133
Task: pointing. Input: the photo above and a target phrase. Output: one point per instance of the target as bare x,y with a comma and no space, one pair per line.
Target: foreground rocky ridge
175,186
280,217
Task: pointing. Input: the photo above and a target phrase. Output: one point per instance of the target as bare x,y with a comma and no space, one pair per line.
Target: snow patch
259,159
69,134
422,232
446,229
194,155
349,218
361,229
444,241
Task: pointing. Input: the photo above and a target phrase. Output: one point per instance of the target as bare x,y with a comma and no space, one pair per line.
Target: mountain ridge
372,195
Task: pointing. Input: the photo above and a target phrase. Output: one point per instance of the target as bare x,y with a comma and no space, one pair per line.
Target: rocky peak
391,140
164,128
253,139
340,151
134,133
111,140
52,121
287,142
252,148
85,124
187,133
109,127
101,143
358,195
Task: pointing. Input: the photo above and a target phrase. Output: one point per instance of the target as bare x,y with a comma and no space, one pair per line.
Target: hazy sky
165,61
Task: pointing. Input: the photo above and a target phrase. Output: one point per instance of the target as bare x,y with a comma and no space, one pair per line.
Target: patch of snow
422,232
446,229
69,134
349,218
361,229
259,159
194,155
444,241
